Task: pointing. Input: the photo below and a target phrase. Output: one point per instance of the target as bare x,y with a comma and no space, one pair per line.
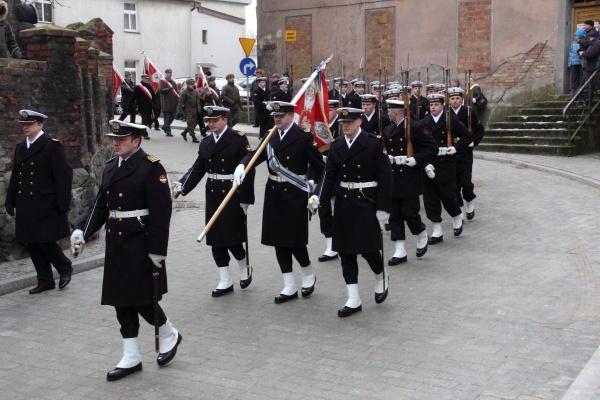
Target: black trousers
437,194
221,254
284,257
44,255
405,210
146,118
129,319
350,265
128,111
465,185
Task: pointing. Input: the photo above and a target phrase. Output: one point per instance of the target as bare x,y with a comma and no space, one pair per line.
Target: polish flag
312,111
117,80
202,86
155,75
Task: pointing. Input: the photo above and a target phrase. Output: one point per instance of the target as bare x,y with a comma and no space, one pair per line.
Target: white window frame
44,4
132,15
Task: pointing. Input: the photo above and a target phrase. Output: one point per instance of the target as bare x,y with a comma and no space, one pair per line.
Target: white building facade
176,34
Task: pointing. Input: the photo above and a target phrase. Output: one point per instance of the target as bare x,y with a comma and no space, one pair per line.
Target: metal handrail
580,105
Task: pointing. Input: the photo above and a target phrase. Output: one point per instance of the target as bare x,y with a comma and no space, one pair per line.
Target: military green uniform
189,102
230,96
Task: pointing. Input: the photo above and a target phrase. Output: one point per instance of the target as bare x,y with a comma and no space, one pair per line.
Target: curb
21,282
543,168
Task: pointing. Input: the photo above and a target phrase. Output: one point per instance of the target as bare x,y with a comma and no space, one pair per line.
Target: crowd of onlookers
584,56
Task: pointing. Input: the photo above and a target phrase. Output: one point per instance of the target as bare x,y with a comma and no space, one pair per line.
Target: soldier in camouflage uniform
230,96
189,103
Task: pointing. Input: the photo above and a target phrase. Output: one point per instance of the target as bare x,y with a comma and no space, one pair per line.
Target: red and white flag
202,86
117,80
151,70
312,111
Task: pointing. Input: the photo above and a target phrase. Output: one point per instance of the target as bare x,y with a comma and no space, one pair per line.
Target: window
130,17
44,10
204,35
131,66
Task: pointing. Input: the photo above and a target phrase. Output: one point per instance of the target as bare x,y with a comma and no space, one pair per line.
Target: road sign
247,44
247,66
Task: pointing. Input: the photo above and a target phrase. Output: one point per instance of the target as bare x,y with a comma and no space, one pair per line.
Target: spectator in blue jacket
574,62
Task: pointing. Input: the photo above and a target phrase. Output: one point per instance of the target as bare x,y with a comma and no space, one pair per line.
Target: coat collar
127,168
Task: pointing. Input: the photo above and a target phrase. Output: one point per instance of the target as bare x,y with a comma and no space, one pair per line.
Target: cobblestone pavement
508,310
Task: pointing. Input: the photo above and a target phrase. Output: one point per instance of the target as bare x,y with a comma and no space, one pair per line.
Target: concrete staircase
539,129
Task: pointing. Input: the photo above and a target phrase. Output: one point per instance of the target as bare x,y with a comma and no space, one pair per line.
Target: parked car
117,103
220,82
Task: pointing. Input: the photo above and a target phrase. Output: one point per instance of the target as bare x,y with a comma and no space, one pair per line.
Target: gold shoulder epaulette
378,136
152,158
241,133
111,159
307,130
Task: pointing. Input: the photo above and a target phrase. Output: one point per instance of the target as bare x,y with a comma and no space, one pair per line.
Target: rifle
380,100
291,79
260,149
419,97
468,96
447,109
361,69
409,146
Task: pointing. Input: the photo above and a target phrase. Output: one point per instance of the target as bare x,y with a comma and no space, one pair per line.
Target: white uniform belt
218,176
358,185
279,179
128,214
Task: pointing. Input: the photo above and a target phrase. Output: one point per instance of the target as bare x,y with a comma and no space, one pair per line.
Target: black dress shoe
458,231
65,278
40,289
120,373
164,358
184,136
471,215
309,290
380,297
435,240
324,258
222,292
244,283
194,140
397,260
282,298
348,311
421,252
169,135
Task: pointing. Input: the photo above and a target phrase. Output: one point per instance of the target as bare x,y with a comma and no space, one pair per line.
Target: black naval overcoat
222,158
285,216
445,166
280,95
464,157
408,181
40,183
140,183
370,126
355,226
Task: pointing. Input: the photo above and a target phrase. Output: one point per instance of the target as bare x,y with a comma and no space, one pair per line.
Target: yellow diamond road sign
247,44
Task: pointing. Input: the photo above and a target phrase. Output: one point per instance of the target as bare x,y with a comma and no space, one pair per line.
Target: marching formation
362,166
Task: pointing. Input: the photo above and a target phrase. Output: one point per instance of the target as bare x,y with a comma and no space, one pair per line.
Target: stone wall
69,79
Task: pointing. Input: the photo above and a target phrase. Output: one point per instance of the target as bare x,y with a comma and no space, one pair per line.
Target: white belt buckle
350,185
112,214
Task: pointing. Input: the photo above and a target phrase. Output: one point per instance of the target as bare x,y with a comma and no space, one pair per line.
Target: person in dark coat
127,87
283,94
143,96
26,16
218,156
261,97
440,183
464,157
156,110
39,197
370,119
134,201
359,175
354,100
419,102
408,155
8,44
285,217
168,91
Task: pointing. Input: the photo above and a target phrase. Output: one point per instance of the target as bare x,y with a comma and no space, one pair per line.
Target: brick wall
69,80
380,25
474,35
299,53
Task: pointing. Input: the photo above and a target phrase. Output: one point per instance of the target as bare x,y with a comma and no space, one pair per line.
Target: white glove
245,208
474,100
451,151
156,259
239,174
313,203
383,217
269,107
410,161
391,159
77,242
177,189
472,144
442,151
429,171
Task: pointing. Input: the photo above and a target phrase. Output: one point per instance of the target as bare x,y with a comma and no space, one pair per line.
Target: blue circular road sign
247,66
